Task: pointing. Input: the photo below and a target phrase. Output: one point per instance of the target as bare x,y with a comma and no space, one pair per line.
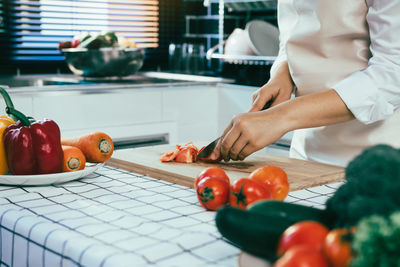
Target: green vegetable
291,212
376,242
258,229
108,39
255,233
372,187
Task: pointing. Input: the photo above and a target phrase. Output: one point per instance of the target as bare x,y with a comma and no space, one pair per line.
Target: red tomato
246,191
309,233
301,256
169,156
213,192
211,172
274,178
337,247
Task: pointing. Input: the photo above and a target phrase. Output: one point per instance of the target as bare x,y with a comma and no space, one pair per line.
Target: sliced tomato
213,192
246,191
169,156
184,153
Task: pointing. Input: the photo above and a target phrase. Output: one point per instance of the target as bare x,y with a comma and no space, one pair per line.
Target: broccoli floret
372,186
376,242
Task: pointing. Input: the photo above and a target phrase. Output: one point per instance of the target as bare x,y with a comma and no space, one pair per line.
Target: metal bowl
104,62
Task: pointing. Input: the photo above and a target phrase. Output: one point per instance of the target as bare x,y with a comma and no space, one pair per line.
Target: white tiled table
116,218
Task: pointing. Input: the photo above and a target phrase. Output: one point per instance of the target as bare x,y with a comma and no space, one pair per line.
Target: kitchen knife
206,151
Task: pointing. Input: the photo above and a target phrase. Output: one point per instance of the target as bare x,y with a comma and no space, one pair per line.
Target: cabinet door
195,109
101,110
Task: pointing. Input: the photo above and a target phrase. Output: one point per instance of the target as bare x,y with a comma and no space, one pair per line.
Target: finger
258,104
280,98
246,151
228,141
237,147
217,150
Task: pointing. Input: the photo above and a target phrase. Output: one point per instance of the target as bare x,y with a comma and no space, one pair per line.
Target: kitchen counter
68,82
117,218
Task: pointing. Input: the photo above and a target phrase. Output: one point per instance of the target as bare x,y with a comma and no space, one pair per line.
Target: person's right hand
277,90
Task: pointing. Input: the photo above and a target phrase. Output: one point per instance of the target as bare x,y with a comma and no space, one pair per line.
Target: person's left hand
249,132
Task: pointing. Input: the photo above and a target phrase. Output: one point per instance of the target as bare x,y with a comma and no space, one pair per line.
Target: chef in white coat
341,58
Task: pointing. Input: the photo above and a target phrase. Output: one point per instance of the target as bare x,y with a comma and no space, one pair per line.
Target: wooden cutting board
146,160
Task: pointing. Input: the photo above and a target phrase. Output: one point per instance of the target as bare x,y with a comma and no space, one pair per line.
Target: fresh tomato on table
246,191
302,256
274,178
213,192
337,247
215,172
308,233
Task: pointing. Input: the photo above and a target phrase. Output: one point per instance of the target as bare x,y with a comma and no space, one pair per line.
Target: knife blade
206,151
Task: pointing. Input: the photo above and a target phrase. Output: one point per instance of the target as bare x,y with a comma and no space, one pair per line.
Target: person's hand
278,89
274,91
249,132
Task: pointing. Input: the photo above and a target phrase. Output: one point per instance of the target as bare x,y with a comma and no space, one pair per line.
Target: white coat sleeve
373,94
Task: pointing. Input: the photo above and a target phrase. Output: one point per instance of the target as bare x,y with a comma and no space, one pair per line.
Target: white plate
263,38
48,179
248,260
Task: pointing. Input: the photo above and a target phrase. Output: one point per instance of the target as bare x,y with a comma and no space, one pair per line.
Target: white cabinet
23,103
195,109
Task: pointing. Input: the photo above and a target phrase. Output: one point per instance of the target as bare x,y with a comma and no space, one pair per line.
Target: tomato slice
169,156
186,153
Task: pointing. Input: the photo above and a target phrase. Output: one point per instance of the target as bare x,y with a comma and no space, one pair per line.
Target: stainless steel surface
206,151
104,62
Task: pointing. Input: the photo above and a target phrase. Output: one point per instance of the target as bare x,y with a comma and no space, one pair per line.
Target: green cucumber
291,212
254,233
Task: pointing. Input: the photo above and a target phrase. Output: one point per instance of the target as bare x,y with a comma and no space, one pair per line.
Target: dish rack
239,59
217,52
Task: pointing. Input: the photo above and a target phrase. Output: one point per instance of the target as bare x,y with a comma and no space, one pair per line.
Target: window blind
35,27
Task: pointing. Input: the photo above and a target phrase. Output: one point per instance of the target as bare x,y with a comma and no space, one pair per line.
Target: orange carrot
97,146
74,159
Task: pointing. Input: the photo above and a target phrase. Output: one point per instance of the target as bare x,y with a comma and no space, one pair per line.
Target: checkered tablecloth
116,218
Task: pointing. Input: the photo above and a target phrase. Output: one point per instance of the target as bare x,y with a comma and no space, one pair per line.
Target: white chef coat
353,47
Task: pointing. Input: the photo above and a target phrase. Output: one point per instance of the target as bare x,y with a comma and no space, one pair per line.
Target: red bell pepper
31,148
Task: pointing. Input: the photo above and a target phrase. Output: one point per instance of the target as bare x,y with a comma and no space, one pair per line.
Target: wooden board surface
146,160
